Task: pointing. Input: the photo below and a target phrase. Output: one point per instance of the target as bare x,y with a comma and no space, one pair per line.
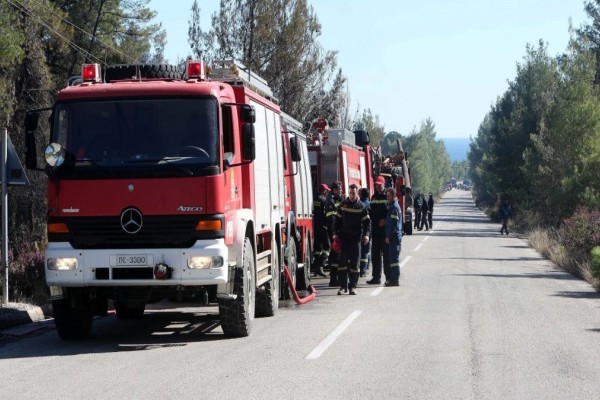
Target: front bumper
101,267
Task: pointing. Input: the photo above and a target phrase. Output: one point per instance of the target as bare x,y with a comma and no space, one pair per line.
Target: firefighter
365,249
393,238
430,203
331,205
377,211
322,243
352,225
424,211
418,204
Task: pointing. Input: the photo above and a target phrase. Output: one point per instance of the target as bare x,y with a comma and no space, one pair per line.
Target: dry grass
546,244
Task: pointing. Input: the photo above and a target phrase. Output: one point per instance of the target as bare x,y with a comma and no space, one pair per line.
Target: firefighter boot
333,280
321,263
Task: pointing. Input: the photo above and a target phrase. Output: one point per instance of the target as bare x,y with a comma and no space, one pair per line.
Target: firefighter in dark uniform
377,211
393,238
322,243
424,211
353,226
331,205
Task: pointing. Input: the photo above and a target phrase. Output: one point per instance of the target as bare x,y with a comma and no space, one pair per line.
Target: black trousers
349,263
417,218
322,248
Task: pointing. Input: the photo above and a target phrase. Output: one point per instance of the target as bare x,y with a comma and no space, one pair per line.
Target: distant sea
457,148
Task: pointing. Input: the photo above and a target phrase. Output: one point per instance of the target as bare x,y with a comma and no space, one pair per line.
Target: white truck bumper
134,267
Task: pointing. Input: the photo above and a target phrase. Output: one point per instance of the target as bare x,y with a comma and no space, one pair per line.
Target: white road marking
418,247
377,291
404,262
328,341
426,237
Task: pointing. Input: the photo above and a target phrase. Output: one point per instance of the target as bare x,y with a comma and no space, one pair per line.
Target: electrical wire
89,35
79,49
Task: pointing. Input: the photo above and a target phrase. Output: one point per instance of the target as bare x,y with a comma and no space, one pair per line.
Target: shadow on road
557,275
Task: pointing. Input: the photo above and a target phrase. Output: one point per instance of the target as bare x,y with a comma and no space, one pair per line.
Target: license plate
132,259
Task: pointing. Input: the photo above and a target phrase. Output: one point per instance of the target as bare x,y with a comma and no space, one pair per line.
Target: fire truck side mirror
294,149
248,114
31,123
248,145
361,138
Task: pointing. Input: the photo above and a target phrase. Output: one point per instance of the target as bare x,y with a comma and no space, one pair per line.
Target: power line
79,49
117,51
29,12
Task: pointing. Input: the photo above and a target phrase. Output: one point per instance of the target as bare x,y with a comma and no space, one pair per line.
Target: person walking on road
393,238
505,213
424,211
377,211
331,205
418,204
322,243
352,225
430,203
365,248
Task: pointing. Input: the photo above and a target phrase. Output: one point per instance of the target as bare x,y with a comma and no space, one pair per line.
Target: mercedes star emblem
131,221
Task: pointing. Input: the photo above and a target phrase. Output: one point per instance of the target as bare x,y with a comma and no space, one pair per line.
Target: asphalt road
477,316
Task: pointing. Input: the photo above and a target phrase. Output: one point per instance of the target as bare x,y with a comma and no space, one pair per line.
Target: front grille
125,273
156,232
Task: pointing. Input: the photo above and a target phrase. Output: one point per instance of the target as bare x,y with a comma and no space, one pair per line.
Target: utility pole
4,216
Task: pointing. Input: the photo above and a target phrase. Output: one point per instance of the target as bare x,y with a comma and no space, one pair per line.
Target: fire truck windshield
166,136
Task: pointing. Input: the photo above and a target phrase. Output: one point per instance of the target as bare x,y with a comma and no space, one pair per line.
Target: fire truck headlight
205,262
62,264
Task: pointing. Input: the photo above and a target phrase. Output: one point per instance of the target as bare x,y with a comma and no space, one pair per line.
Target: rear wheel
408,228
303,274
237,316
267,301
291,262
73,316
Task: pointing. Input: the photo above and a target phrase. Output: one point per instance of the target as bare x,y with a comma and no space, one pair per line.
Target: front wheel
237,316
73,316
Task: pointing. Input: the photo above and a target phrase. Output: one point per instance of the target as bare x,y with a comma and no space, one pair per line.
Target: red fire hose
303,300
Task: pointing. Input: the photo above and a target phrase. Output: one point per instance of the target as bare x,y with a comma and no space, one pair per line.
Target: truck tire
237,316
73,317
408,228
267,301
303,274
130,71
127,311
291,261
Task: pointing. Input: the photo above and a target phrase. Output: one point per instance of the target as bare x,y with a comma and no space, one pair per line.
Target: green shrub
596,261
581,232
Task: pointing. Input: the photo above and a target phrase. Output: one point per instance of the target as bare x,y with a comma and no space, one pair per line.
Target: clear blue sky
407,60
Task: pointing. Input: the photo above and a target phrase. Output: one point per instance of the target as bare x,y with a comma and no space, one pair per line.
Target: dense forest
539,146
43,43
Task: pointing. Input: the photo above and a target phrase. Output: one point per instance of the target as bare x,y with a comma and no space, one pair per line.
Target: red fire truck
163,185
345,156
298,205
339,155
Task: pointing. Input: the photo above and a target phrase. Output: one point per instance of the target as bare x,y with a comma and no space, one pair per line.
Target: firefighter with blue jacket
393,238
